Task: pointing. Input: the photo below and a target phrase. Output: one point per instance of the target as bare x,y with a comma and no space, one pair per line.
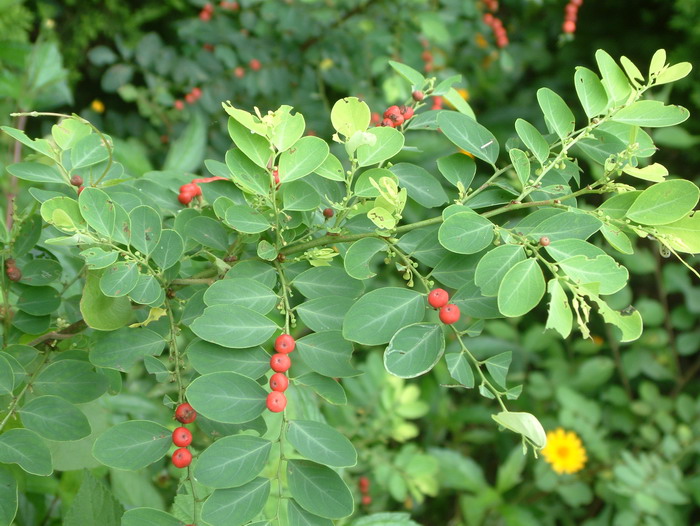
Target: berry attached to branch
449,314
185,413
279,382
280,362
182,458
276,402
438,298
76,180
182,437
285,343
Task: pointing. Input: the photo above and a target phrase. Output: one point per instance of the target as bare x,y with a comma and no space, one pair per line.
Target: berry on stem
185,413
438,298
279,382
76,180
13,274
254,64
182,437
276,401
182,458
418,95
239,72
364,484
285,343
449,314
366,500
544,241
280,362
328,213
179,105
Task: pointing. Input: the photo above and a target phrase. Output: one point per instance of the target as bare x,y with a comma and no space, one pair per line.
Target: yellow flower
564,451
98,106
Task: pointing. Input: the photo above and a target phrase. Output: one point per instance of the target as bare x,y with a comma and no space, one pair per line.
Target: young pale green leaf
245,292
232,461
414,350
457,169
208,357
9,496
298,516
132,445
673,73
255,147
415,78
27,449
319,490
525,424
35,172
149,517
250,121
350,115
684,234
635,76
556,113
468,135
327,353
382,217
55,419
465,233
227,397
604,270
321,443
246,219
102,312
614,79
655,172
169,249
422,187
123,348
389,142
376,316
498,366
367,182
288,128
628,320
494,265
38,145
74,380
301,160
325,313
652,114
359,257
521,289
457,101
145,229
560,317
69,220
521,164
331,169
533,139
658,62
665,202
233,326
321,282
590,92
97,209
236,506
88,151
119,279
617,239
460,369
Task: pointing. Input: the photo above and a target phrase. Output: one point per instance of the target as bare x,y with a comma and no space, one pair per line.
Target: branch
63,334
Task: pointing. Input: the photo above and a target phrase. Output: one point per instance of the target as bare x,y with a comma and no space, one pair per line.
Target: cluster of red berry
191,190
449,312
229,6
395,116
570,16
206,12
437,103
77,181
182,437
280,363
496,26
13,273
191,97
364,489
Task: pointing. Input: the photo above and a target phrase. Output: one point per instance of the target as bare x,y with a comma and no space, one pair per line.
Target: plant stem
17,399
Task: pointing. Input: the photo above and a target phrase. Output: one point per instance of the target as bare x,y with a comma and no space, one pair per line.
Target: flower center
563,451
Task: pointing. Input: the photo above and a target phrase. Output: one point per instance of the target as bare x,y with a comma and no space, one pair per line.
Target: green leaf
350,115
617,239
673,73
326,313
498,366
98,258
38,145
411,75
629,321
147,291
566,248
246,174
614,79
300,196
301,160
455,99
27,449
38,272
525,424
331,169
64,213
327,353
556,113
93,504
245,292
8,496
319,282
604,270
35,172
149,517
359,256
145,229
298,516
102,312
74,380
590,92
39,301
522,289
7,377
207,357
236,506
467,134
169,249
321,443
288,128
465,233
664,203
494,265
319,490
227,397
521,164
327,388
684,234
132,445
208,231
266,250
123,348
98,210
567,225
457,168
55,419
533,139
88,151
560,317
187,151
119,279
652,114
422,187
655,172
389,142
414,350
460,370
377,315
233,326
232,461
255,147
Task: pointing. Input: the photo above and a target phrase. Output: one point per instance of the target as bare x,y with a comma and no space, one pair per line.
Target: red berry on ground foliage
182,437
577,3
182,458
285,343
179,105
438,298
366,500
280,362
544,241
279,382
185,413
197,92
190,98
488,19
254,64
427,56
205,15
239,72
76,180
568,27
449,314
276,401
328,213
364,484
418,95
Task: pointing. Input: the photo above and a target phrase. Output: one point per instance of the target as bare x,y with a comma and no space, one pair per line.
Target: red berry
285,343
577,3
427,56
80,190
191,188
185,198
254,64
182,437
205,15
366,500
488,19
196,92
279,382
407,112
276,176
182,458
544,241
280,362
185,413
364,484
208,47
398,120
571,9
179,105
569,27
376,119
418,95
502,41
388,122
276,401
392,111
76,180
208,7
239,72
328,213
190,98
449,314
437,103
13,274
438,298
